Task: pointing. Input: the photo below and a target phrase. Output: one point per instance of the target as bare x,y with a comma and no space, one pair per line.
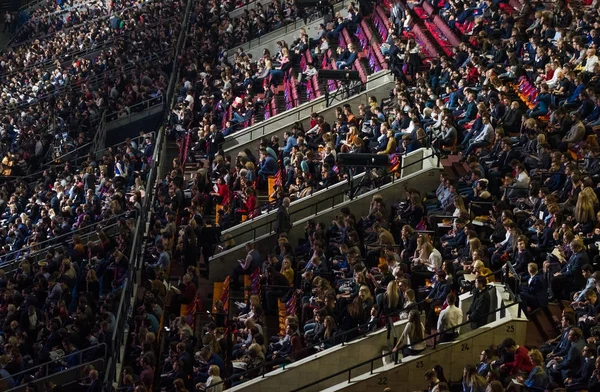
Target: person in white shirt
214,378
522,179
553,82
411,342
590,61
449,318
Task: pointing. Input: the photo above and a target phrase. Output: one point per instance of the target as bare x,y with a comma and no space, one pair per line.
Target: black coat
480,306
283,223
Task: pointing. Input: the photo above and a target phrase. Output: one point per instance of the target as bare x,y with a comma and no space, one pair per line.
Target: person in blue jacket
537,379
543,103
535,293
570,277
349,59
267,166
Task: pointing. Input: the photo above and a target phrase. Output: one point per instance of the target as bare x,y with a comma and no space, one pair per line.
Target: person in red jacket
521,362
221,194
249,205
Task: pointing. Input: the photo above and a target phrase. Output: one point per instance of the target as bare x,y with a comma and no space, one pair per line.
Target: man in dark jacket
570,277
277,287
436,298
511,120
211,235
580,380
283,224
534,295
559,346
481,304
215,142
567,367
594,383
247,265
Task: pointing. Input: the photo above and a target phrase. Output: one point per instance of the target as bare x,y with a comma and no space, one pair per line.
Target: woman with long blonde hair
351,136
474,246
537,378
422,239
472,381
390,299
584,209
459,206
287,271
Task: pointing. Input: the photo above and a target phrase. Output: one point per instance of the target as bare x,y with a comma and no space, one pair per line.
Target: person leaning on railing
411,341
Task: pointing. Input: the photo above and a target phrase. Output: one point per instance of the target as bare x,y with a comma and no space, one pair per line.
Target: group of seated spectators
529,197
305,159
568,360
65,247
55,87
526,212
234,91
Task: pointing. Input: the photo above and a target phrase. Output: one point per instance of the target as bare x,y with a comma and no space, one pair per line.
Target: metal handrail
390,175
143,225
285,28
61,239
29,4
45,365
361,329
250,130
98,120
372,360
145,105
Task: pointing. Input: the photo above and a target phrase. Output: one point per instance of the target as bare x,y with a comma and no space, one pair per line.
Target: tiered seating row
344,41
372,47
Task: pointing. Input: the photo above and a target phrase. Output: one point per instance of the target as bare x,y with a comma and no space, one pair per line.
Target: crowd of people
55,102
519,99
235,93
567,361
65,248
529,196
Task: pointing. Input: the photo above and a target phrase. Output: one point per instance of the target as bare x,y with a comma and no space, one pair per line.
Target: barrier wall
324,363
409,375
425,180
379,85
287,33
264,223
321,365
250,5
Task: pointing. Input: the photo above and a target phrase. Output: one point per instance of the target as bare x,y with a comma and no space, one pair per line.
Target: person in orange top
481,270
348,112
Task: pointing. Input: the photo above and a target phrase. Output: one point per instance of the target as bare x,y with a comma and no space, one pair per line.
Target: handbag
422,225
